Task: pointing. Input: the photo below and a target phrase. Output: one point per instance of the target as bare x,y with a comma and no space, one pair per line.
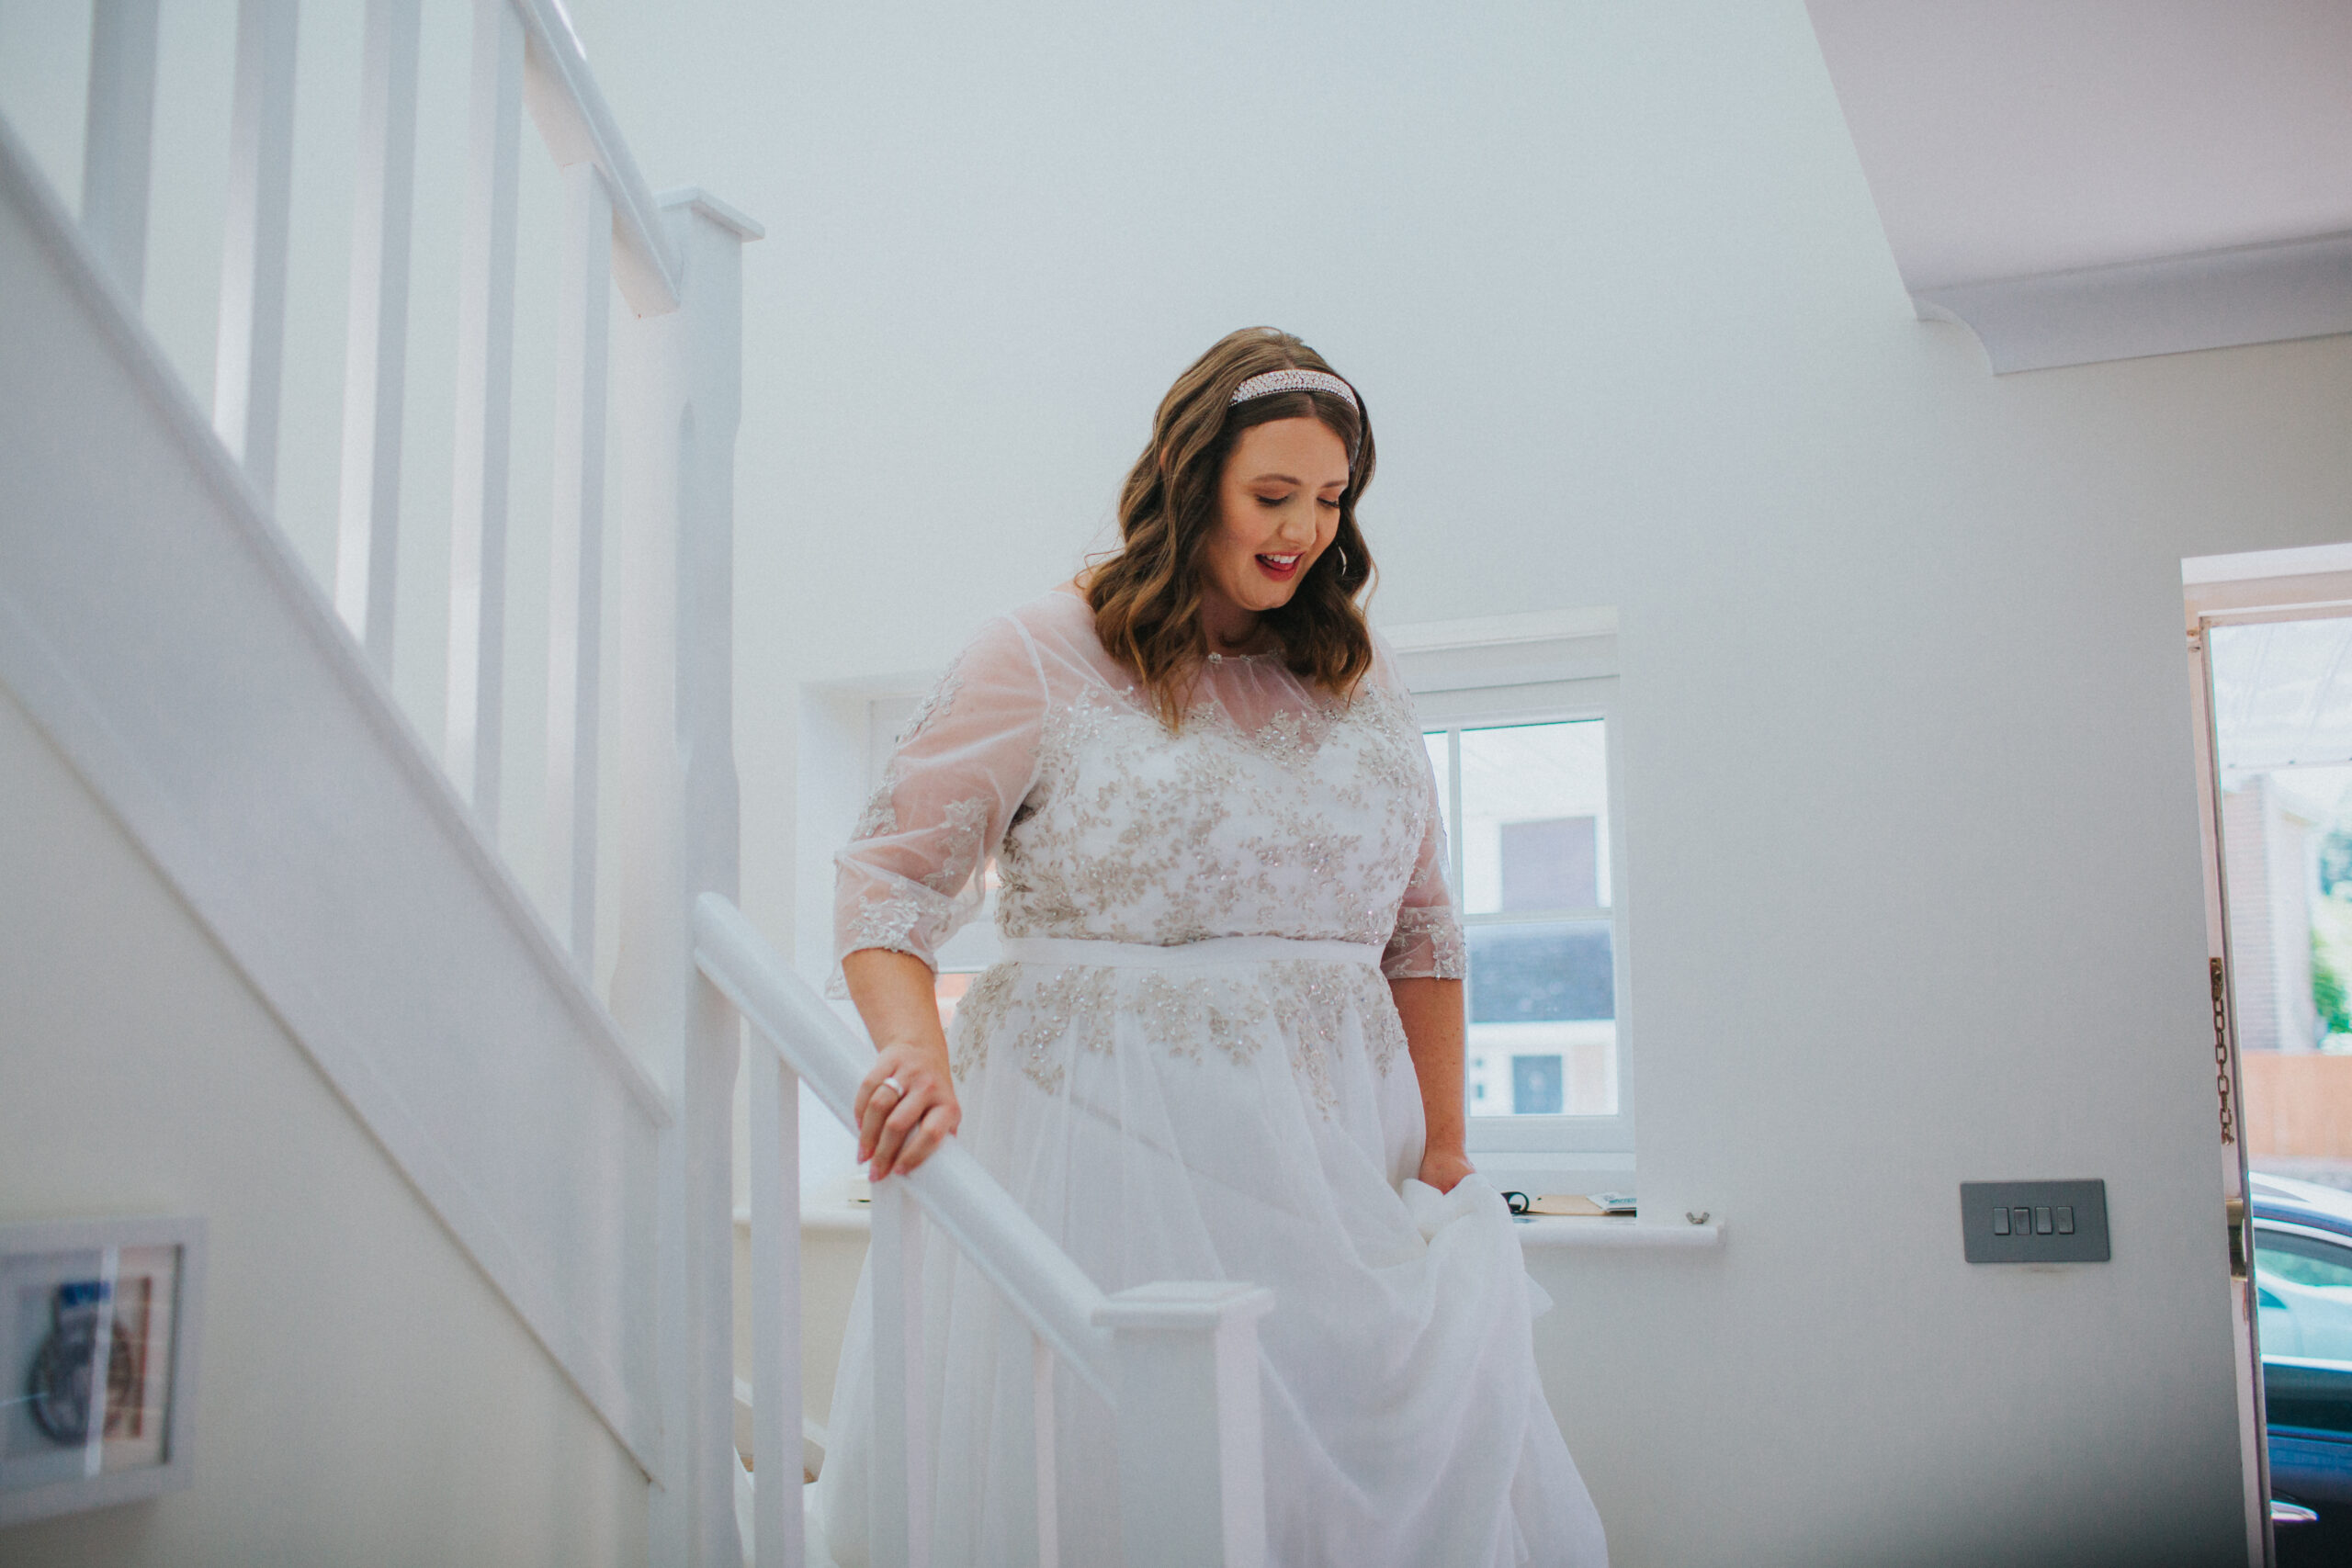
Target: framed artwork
99,1321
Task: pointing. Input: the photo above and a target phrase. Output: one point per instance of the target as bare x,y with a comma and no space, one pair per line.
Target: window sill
1542,1233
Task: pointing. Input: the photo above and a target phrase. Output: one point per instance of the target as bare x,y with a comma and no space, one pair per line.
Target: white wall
1912,866
365,1395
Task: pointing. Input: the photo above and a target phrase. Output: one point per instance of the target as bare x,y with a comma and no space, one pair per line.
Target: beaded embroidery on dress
1255,1120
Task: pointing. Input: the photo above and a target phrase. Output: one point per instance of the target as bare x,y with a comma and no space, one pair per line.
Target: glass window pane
1535,817
1543,1020
1551,972
2301,1261
2304,1304
2282,713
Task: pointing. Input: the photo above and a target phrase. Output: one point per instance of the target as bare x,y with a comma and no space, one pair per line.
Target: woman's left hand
905,1108
1442,1167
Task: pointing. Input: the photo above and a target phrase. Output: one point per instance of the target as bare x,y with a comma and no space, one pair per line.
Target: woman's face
1277,508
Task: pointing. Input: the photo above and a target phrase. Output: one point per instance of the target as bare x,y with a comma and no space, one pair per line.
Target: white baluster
576,570
117,138
485,390
1192,1476
1029,1423
778,1536
1045,1457
713,1052
899,1501
249,363
374,360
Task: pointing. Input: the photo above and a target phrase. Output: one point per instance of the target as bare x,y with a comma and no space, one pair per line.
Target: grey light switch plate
2033,1222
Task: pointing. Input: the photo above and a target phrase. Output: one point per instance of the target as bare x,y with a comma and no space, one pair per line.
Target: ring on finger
894,1086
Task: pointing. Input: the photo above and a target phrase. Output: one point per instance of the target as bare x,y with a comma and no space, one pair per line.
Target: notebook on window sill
1582,1205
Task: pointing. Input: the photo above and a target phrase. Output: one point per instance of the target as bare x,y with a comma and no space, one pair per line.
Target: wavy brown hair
1146,597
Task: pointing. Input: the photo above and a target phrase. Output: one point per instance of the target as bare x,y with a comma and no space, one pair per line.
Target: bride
1227,1040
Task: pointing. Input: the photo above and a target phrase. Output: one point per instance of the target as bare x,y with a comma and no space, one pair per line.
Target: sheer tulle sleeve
908,876
1427,942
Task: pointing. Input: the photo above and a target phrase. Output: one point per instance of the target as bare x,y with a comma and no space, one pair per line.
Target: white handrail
956,1194
578,128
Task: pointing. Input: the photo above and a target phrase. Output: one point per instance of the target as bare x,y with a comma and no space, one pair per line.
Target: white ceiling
2102,179
2009,138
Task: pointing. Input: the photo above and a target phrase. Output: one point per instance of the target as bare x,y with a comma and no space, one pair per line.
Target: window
1527,820
1519,716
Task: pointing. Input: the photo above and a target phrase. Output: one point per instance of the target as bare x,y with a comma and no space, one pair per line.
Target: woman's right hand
905,1108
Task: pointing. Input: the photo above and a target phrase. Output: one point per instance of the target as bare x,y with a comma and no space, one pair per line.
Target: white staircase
236,715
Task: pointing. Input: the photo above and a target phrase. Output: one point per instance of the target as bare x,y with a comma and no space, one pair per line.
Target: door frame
2254,1455
2227,597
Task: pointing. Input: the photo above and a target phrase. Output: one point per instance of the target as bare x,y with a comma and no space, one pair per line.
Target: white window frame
1550,666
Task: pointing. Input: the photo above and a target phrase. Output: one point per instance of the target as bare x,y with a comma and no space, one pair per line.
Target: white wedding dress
1191,1070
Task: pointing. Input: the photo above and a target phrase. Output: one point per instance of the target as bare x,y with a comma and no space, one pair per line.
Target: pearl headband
1273,381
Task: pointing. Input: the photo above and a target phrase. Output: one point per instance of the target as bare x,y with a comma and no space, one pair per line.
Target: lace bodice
1277,810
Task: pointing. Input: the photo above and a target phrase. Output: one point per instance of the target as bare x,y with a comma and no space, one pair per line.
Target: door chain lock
2221,1053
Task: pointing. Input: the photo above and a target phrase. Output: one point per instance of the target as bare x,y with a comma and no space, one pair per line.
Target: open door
2271,665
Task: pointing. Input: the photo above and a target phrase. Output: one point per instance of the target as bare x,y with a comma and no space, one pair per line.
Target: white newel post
1192,1470
676,404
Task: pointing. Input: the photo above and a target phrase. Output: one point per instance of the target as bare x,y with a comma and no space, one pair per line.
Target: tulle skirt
1240,1108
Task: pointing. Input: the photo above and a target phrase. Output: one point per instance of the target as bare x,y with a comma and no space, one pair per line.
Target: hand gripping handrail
960,1197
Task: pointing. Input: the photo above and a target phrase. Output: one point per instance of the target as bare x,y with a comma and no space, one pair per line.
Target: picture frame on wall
99,1322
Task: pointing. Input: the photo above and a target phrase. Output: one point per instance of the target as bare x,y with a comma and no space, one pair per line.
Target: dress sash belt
1210,951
